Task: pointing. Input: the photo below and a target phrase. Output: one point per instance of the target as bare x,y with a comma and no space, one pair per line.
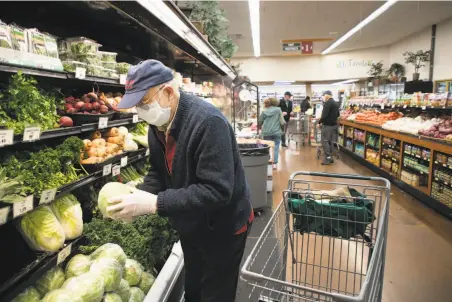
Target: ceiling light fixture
346,82
255,26
363,23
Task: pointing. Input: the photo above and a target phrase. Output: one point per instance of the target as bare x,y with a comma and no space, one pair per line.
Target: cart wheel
258,213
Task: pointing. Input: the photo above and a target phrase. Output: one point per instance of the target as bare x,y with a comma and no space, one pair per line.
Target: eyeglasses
142,104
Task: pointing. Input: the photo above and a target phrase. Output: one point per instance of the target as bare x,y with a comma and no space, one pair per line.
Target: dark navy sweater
205,193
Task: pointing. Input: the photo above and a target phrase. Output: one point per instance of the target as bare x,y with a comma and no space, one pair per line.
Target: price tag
22,207
47,196
103,122
135,118
122,79
80,73
4,215
64,253
116,170
6,137
393,106
424,107
124,161
31,134
148,152
107,170
382,106
404,106
436,162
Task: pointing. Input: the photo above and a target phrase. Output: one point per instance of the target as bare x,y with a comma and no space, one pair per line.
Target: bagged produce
110,250
31,294
110,270
42,230
69,213
147,279
112,297
110,190
124,290
61,295
88,287
136,295
51,280
132,272
5,38
19,38
78,265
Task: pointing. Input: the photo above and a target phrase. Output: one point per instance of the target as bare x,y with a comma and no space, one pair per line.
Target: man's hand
127,207
284,113
292,114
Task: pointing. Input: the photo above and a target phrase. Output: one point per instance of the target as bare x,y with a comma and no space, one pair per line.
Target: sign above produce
291,46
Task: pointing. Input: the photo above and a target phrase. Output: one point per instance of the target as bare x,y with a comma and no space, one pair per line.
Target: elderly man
286,106
196,179
328,121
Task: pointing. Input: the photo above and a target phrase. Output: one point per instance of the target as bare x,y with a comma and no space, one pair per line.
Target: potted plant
418,60
395,72
375,71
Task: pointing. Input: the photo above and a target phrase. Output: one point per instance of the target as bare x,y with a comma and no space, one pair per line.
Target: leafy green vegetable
147,279
89,287
110,250
30,294
136,295
140,129
61,295
69,213
112,297
109,190
10,189
124,290
110,270
51,280
132,272
24,104
78,265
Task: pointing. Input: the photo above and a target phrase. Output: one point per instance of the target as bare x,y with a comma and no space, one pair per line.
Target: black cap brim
131,99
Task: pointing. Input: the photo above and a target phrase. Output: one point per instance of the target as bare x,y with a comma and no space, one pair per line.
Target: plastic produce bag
136,295
31,294
78,265
124,290
5,38
89,287
112,297
51,280
42,230
110,270
69,213
147,279
109,190
61,295
110,250
132,272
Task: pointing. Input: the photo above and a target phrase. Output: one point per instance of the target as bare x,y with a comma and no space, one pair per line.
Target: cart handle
338,175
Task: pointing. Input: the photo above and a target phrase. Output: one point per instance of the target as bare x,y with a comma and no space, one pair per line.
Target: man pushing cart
329,126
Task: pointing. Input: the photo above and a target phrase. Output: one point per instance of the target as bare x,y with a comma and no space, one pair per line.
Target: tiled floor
419,252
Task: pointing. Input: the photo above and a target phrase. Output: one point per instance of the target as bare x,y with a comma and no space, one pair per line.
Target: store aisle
419,261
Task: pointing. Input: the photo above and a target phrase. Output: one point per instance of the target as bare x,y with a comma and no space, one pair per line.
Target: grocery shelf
391,158
416,156
443,182
443,165
402,107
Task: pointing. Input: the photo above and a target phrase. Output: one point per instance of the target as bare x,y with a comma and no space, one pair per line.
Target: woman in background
271,120
305,104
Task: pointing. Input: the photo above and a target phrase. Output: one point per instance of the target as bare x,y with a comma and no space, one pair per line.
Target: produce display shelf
76,130
391,106
88,179
56,74
31,273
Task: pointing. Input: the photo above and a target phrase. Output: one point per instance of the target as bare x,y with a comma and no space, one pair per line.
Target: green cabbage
124,290
42,230
136,295
30,294
51,280
79,264
88,287
69,213
112,297
110,270
110,250
61,295
132,272
147,279
111,189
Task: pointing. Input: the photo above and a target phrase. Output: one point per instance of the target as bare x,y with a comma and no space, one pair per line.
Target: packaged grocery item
109,65
36,42
19,38
108,56
70,66
122,68
5,37
449,99
51,45
95,70
110,73
442,99
80,46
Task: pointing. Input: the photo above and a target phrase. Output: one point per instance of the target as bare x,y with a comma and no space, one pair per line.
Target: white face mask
154,114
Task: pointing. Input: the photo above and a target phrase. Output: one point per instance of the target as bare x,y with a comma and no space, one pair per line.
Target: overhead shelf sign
291,46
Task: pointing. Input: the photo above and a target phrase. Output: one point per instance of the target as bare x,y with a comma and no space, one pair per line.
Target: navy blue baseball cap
140,78
327,92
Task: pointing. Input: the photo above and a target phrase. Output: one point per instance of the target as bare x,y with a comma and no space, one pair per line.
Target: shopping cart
318,140
301,129
315,248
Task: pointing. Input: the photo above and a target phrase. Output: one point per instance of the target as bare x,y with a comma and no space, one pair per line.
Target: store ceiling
283,20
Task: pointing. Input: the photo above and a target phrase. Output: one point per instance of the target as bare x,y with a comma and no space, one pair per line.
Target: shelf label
106,170
116,170
124,161
382,106
135,118
47,196
103,122
22,207
444,165
393,106
31,134
424,107
404,106
6,137
122,79
80,73
148,152
4,215
64,253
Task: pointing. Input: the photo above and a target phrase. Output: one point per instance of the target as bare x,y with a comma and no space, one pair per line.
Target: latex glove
126,207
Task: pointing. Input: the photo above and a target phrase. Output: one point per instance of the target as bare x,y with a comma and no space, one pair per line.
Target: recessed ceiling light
255,26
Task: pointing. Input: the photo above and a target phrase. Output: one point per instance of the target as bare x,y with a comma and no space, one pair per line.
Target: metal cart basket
326,241
301,129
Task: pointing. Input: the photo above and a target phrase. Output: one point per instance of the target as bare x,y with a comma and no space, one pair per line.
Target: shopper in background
305,104
196,179
271,120
328,122
286,106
